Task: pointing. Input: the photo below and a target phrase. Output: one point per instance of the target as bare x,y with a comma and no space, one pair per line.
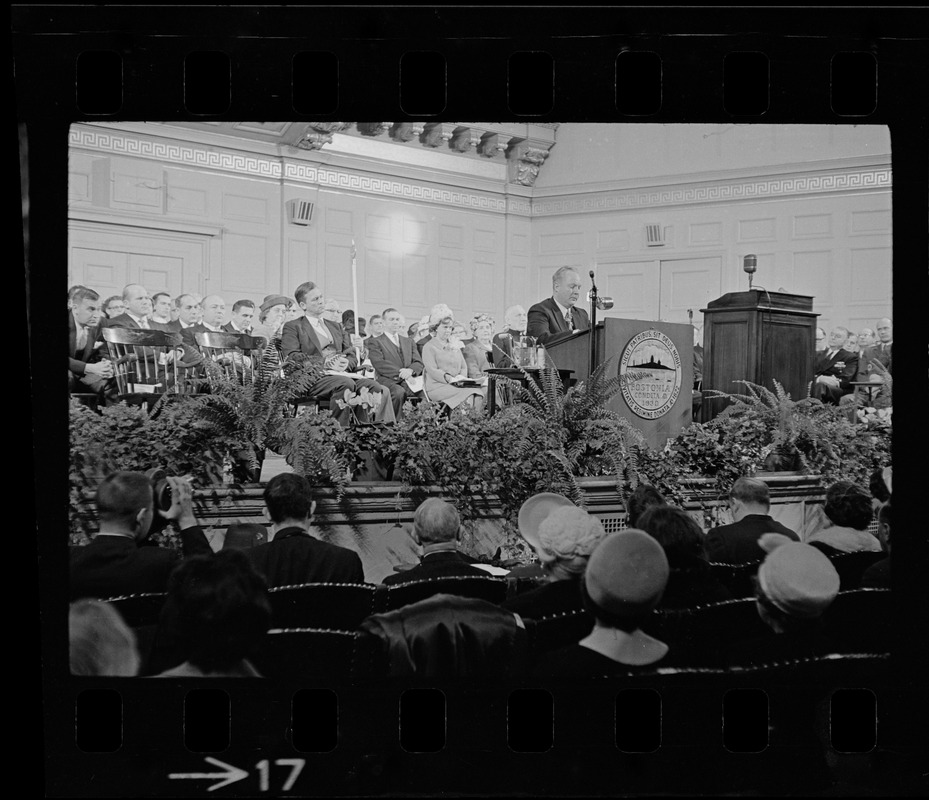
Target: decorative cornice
850,180
190,155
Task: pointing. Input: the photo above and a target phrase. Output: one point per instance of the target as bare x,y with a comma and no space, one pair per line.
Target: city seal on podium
653,366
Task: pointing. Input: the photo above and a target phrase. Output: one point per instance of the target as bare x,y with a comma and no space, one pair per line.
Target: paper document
492,569
415,383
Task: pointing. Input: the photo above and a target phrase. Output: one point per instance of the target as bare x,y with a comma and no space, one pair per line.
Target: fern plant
580,434
259,411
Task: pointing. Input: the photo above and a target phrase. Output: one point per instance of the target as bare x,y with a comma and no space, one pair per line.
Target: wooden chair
328,606
238,355
145,363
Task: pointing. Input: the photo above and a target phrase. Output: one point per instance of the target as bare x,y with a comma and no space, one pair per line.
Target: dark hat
274,300
627,573
243,535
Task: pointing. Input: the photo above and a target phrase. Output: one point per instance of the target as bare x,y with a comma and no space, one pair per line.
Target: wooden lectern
757,336
572,352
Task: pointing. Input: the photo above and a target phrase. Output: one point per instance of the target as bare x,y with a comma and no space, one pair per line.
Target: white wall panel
245,264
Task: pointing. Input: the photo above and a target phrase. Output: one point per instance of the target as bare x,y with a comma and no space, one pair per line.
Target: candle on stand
355,297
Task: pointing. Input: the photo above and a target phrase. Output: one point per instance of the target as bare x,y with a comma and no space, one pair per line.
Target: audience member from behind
437,528
217,612
625,579
737,543
848,512
691,582
877,576
642,499
293,555
116,562
566,538
795,584
100,641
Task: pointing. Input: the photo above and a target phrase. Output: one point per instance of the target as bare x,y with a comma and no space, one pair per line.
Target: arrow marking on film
230,775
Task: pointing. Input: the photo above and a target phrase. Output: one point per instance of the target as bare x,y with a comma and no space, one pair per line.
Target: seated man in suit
872,362
737,543
117,562
835,369
89,369
396,360
243,316
516,320
329,344
437,527
557,318
293,555
161,310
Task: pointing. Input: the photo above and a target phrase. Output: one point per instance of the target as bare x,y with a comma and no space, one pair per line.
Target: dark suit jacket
826,366
77,362
873,353
294,557
115,565
388,360
547,324
229,329
737,543
298,336
441,564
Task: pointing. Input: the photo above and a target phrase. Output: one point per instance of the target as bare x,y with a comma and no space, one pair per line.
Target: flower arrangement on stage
363,403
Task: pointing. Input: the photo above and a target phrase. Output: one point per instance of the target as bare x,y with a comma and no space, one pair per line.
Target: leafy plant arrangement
259,411
175,436
362,403
579,432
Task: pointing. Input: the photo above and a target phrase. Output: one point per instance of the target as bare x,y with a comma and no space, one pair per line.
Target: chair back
305,653
491,589
144,361
861,620
851,567
326,606
737,578
138,610
238,355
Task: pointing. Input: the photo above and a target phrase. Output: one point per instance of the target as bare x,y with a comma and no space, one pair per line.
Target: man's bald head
137,300
436,522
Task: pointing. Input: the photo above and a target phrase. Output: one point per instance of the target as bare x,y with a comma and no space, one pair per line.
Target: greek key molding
733,190
173,152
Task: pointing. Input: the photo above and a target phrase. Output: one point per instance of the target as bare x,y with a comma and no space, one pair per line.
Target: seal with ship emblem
653,365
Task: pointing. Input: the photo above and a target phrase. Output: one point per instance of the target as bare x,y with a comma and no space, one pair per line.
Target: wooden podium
757,336
659,355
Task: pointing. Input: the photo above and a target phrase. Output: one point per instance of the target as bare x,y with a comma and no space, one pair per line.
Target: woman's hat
627,573
798,579
274,300
535,510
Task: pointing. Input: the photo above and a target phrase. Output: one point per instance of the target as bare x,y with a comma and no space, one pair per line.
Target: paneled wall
180,210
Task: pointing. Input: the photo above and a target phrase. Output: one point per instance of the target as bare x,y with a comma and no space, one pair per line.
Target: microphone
591,273
750,265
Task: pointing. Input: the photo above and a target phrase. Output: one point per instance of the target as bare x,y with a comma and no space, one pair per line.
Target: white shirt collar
214,328
564,309
138,320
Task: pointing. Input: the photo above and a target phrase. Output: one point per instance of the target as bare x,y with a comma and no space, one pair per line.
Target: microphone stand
592,362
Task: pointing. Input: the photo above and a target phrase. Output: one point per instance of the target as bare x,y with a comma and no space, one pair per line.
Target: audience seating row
341,606
737,578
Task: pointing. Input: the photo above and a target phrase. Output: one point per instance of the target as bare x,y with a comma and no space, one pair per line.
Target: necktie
323,334
81,338
567,318
144,323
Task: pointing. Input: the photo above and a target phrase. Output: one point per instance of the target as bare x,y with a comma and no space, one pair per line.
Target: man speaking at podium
557,318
